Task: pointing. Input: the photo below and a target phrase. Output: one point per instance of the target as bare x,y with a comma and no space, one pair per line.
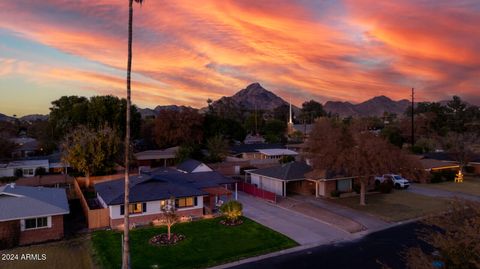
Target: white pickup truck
398,181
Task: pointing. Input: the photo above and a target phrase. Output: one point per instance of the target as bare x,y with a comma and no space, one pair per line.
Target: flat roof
277,152
168,153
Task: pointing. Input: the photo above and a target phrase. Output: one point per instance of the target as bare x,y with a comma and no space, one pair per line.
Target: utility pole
413,117
256,130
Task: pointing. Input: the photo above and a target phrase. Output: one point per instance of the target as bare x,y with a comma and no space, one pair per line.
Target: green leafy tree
312,110
274,131
89,151
174,128
67,113
217,148
188,151
230,129
281,113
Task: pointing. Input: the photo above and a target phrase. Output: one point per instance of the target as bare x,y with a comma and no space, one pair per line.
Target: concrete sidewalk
301,228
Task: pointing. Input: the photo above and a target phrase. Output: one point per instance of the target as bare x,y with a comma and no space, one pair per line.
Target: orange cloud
186,52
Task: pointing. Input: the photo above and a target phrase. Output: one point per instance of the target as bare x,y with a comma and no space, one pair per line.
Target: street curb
280,252
357,236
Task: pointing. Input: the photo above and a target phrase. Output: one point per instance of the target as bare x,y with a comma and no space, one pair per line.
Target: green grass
72,254
470,185
207,243
397,206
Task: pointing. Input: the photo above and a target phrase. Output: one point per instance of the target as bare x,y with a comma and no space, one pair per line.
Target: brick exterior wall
9,233
43,234
329,187
147,219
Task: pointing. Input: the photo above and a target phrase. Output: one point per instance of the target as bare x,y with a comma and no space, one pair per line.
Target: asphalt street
384,246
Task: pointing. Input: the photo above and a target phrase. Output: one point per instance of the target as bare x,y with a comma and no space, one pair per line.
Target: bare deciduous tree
348,150
455,237
169,216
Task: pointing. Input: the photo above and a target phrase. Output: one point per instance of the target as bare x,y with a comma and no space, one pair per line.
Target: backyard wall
96,218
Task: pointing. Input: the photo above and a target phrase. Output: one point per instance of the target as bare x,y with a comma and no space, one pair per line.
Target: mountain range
376,106
256,96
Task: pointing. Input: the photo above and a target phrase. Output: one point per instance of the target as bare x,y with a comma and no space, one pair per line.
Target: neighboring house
250,151
31,214
193,166
296,177
262,153
27,167
254,139
276,154
326,183
51,164
26,147
194,193
156,158
280,179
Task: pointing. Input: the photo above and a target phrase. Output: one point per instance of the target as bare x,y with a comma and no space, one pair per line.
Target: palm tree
126,222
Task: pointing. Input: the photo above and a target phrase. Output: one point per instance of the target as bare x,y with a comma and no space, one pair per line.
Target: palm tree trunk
87,180
126,222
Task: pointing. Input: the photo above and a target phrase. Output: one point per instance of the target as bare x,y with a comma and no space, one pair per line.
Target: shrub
335,193
232,210
386,186
19,173
40,171
445,175
286,159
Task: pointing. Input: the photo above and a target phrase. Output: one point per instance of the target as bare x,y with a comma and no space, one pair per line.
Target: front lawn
207,243
72,254
470,185
397,206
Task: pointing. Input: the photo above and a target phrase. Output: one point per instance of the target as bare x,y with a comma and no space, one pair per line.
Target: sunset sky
188,51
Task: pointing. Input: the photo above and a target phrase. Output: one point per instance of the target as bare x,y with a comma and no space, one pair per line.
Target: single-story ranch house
295,177
31,214
195,194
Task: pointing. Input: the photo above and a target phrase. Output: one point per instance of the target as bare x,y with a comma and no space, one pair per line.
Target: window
36,223
135,208
28,172
185,202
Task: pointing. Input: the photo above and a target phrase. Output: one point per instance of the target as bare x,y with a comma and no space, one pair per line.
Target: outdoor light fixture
459,176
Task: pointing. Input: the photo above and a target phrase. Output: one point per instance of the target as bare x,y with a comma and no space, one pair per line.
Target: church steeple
290,120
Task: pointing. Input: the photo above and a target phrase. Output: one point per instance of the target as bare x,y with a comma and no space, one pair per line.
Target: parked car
398,181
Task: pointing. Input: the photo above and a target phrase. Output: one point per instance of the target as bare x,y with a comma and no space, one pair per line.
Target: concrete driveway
302,229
